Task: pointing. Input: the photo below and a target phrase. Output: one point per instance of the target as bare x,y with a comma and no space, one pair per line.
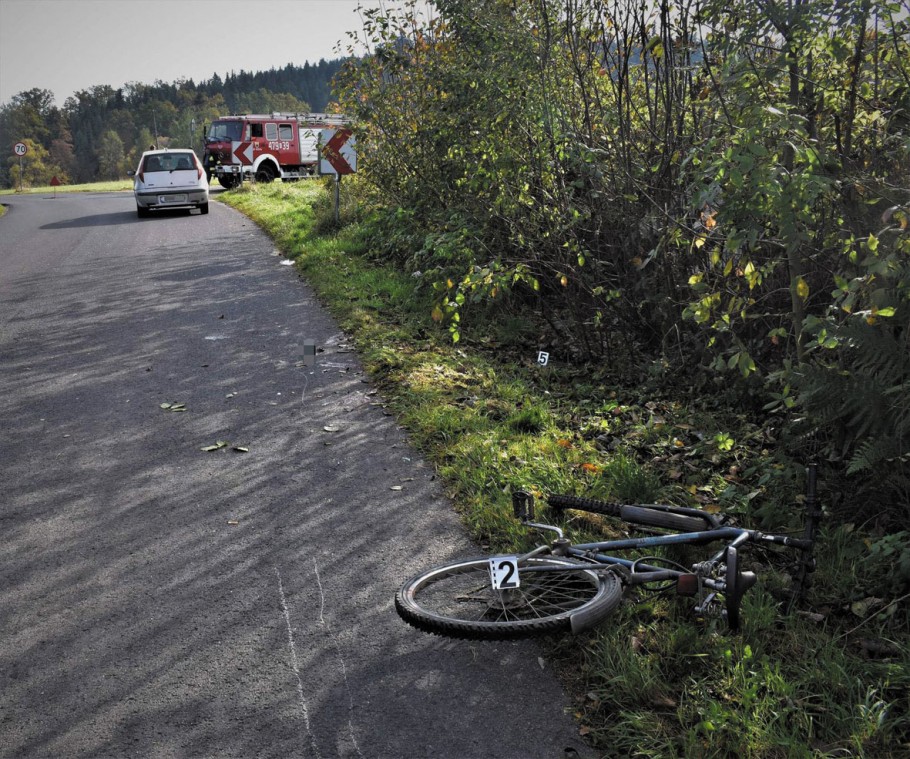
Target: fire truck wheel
229,181
265,173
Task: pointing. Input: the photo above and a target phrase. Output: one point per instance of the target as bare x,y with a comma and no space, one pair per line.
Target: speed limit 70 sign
20,148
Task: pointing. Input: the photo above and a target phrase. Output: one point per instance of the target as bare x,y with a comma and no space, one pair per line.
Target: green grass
119,185
653,682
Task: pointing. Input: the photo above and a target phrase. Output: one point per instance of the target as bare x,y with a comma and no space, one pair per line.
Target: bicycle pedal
523,505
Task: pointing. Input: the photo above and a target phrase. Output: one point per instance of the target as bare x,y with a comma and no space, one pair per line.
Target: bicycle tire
668,520
736,585
563,502
457,600
642,515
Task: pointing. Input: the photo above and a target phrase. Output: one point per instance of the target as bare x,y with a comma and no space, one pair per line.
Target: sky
69,45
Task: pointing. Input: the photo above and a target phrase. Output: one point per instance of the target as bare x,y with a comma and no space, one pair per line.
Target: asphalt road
157,600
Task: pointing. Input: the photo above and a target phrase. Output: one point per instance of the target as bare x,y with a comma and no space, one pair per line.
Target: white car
170,179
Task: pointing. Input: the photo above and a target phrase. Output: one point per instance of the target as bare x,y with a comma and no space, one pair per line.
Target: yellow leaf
802,289
437,314
564,280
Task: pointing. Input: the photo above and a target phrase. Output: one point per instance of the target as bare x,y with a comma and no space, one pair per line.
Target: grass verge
834,682
119,185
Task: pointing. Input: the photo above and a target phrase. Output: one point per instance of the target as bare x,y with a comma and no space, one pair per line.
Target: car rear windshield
168,162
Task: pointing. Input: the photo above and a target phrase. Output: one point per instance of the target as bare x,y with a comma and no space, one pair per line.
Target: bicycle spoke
459,599
540,595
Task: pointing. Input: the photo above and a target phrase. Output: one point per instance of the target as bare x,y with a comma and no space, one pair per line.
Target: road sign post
20,149
338,156
337,200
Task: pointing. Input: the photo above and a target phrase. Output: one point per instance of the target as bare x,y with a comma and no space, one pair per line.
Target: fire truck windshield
225,131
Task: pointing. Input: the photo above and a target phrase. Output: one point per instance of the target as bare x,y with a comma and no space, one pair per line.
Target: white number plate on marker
172,199
504,572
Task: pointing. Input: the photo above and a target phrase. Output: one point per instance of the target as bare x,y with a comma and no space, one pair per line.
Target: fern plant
856,391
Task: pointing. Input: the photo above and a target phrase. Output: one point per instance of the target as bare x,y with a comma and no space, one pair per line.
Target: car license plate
171,199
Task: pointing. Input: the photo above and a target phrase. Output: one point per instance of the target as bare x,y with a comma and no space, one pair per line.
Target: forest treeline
718,190
99,133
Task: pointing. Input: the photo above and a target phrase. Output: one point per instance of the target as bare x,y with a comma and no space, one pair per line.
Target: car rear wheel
142,212
203,208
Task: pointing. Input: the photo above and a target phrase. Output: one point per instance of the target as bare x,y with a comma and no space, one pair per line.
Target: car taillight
198,168
141,176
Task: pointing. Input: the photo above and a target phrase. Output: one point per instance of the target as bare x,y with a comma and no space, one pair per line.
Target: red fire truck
265,147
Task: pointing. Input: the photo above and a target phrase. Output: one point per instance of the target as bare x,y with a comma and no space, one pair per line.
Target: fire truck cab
265,147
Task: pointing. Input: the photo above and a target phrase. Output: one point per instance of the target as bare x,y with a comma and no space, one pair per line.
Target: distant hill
311,83
100,132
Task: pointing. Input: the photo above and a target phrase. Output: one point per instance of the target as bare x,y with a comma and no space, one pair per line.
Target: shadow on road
161,600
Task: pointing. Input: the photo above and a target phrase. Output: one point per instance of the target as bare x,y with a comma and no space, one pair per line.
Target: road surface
158,600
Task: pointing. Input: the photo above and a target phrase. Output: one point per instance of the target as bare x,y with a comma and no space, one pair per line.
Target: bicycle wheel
737,583
555,595
634,514
579,503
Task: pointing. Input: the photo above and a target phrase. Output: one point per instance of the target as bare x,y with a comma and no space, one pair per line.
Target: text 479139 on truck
265,147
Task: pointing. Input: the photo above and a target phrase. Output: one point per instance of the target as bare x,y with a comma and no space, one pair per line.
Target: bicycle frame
733,583
700,581
736,535
561,587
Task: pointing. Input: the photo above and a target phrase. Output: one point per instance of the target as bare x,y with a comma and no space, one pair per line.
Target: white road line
344,670
294,664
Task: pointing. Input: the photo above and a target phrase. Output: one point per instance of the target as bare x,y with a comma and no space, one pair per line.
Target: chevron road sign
338,152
